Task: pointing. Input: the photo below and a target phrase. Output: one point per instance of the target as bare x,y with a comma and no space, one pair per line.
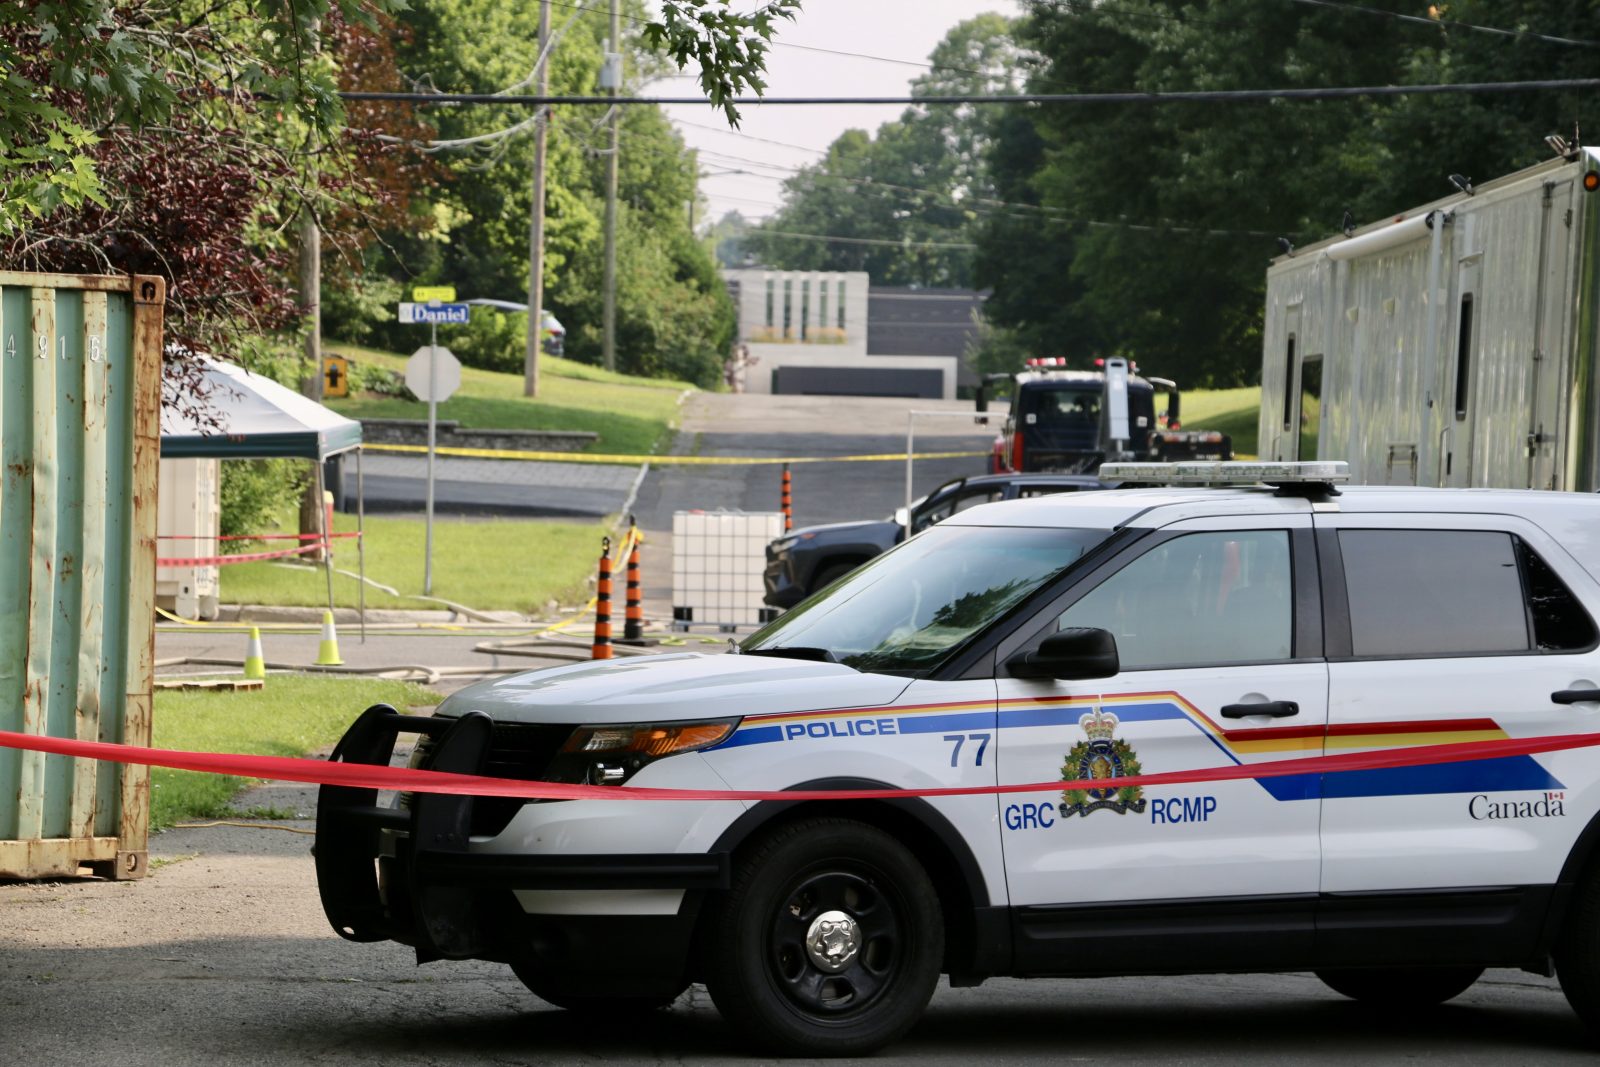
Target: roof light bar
1233,473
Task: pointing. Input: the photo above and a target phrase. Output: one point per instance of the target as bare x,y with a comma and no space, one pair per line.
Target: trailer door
1548,365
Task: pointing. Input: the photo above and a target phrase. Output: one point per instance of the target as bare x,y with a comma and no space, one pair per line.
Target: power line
1448,23
975,204
748,136
1202,96
965,245
826,51
984,74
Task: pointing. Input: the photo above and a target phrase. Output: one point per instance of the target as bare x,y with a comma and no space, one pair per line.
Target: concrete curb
349,616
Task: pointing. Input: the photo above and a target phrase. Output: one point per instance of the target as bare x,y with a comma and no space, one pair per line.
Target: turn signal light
610,755
653,740
1591,181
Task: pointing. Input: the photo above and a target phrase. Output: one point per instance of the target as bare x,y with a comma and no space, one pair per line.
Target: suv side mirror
1074,654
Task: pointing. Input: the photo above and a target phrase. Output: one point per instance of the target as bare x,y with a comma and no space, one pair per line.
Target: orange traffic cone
633,611
788,510
602,605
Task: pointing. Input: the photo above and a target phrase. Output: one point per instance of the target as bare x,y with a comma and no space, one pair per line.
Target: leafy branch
731,48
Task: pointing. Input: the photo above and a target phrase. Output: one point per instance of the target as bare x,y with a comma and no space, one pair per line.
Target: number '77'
959,739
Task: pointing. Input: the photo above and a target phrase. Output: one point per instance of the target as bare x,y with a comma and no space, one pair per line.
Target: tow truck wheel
829,942
539,985
1399,987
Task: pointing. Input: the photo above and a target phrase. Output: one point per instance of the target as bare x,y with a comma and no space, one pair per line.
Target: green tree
1420,140
1169,212
1167,215
674,316
67,66
918,185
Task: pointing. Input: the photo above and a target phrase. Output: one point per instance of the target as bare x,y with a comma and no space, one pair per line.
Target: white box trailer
1454,345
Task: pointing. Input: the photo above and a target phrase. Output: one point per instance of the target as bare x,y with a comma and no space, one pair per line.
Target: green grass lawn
292,716
1235,412
633,416
490,565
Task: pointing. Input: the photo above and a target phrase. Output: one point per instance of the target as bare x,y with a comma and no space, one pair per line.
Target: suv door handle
1575,696
1277,709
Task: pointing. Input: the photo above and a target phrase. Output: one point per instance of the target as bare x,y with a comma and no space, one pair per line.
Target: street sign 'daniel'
438,383
335,376
435,314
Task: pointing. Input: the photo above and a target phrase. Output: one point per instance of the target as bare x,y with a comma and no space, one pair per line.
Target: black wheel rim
822,993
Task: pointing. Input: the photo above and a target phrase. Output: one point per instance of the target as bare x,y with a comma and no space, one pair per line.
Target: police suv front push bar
419,884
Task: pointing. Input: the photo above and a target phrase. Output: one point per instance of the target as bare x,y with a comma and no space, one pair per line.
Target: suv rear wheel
1577,954
829,943
1399,987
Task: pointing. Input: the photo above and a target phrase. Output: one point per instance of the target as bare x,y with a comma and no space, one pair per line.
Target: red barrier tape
368,776
243,557
255,537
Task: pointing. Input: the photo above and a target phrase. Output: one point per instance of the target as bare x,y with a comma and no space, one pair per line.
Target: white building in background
807,333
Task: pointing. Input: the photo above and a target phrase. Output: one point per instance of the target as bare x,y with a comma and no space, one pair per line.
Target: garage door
858,381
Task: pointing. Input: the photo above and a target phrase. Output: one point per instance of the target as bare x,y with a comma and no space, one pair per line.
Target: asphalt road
222,957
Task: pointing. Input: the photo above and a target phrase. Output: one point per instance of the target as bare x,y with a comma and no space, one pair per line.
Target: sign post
432,374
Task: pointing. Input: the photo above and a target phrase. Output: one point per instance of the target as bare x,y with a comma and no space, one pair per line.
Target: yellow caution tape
664,461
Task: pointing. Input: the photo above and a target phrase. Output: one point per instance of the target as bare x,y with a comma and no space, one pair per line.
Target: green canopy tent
243,415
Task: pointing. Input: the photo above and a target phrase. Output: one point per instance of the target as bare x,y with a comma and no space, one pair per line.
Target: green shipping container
80,399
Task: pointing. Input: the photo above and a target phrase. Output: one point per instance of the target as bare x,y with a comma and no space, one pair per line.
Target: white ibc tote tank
188,518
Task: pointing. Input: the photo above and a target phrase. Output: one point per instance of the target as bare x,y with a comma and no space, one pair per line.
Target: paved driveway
222,957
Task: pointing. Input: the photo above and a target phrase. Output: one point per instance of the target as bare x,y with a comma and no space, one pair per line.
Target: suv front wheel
1418,987
829,943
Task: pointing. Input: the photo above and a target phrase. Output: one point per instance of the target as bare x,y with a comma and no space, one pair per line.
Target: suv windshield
909,609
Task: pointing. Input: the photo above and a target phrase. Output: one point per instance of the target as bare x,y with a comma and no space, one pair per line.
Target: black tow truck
1071,421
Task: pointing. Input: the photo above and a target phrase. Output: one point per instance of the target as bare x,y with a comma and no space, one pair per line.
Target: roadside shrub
257,494
361,310
491,340
376,379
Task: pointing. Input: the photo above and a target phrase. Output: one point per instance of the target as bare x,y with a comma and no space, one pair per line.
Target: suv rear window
1453,593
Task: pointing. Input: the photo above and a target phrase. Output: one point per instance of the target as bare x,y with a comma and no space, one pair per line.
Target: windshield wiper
821,655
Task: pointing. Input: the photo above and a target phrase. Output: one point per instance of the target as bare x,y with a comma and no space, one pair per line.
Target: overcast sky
901,30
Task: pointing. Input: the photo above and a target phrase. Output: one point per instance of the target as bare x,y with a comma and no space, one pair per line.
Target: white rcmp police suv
1063,638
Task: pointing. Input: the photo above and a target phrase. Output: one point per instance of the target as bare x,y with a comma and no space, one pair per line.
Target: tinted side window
972,499
1203,598
948,505
936,510
1559,622
1433,592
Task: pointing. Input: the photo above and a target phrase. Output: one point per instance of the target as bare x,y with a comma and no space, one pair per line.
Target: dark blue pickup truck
803,561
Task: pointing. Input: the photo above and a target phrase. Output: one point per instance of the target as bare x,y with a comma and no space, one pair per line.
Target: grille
519,751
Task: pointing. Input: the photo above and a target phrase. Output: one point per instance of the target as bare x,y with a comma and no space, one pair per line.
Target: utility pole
312,517
530,358
311,297
614,63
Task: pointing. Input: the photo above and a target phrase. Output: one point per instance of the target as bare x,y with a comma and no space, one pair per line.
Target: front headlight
611,754
788,541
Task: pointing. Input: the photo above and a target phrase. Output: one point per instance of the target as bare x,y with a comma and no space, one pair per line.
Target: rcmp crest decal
1100,756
